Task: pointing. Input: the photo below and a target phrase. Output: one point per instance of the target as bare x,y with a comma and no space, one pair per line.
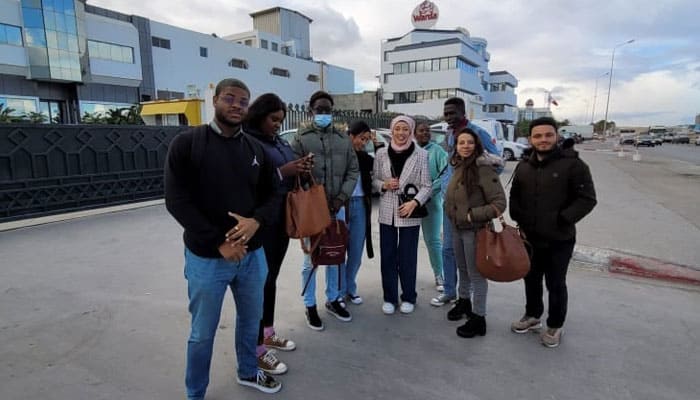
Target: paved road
96,309
683,152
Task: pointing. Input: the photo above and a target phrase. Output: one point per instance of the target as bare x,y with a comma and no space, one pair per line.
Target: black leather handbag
409,193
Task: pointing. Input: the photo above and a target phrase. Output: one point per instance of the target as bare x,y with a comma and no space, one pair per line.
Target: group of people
226,181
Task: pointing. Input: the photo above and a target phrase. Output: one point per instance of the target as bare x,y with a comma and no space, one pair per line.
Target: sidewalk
631,231
96,308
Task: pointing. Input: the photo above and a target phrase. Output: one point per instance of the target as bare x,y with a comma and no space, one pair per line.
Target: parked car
697,140
683,139
627,139
668,138
513,151
644,140
658,140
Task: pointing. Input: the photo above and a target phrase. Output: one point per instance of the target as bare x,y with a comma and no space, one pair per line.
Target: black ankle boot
476,325
462,308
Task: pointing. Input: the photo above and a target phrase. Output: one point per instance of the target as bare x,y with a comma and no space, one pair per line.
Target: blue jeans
432,227
207,281
449,266
358,229
332,287
399,252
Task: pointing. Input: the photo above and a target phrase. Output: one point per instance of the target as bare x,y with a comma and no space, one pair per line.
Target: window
386,78
160,42
412,67
238,63
10,34
312,78
110,51
274,46
203,52
386,56
249,42
444,65
494,87
263,43
280,72
436,64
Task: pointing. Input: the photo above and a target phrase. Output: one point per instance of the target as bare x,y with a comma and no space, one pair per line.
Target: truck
585,131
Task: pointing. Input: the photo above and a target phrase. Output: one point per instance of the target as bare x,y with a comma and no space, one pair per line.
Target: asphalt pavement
96,308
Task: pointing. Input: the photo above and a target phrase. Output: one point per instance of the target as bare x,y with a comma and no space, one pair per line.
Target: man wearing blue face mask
335,166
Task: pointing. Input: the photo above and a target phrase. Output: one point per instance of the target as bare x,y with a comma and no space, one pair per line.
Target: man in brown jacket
551,192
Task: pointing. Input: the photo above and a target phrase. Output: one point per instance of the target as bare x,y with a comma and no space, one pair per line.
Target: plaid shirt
415,171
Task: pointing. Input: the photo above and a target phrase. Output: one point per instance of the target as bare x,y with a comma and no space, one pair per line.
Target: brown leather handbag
501,256
307,211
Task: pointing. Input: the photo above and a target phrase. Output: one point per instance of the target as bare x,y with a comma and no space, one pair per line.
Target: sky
549,45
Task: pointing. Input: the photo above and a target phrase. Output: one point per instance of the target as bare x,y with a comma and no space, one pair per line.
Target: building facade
423,68
65,58
531,112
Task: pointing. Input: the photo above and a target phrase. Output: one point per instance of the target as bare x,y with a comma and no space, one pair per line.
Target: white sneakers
388,308
406,307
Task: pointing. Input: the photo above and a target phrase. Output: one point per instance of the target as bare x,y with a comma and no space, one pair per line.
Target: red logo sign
425,15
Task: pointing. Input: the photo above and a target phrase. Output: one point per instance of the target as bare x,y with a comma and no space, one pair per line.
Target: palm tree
6,116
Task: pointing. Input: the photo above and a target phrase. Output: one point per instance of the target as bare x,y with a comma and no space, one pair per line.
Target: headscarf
411,127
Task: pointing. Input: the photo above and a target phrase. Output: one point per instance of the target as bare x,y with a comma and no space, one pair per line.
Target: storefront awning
191,109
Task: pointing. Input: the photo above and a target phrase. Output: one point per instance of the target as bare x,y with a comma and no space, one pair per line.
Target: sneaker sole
523,331
255,385
275,372
288,348
340,318
436,304
316,328
552,346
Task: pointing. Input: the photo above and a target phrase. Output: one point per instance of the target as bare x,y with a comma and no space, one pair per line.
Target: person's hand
391,184
233,251
469,217
337,204
407,208
296,167
244,231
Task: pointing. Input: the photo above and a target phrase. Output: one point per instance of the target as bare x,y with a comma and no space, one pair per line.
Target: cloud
546,44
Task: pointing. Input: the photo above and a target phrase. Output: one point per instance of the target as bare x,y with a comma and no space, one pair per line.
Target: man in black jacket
551,192
221,188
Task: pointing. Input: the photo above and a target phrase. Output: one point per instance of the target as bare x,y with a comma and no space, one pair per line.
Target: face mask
322,120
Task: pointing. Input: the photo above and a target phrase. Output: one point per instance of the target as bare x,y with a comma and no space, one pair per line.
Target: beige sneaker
551,337
269,363
526,324
278,342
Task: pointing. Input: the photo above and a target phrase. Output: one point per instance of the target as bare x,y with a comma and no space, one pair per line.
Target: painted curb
617,262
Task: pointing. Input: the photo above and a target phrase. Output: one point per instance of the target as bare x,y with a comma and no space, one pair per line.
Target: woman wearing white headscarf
400,168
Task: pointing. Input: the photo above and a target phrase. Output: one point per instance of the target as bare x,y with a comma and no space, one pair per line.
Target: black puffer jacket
549,197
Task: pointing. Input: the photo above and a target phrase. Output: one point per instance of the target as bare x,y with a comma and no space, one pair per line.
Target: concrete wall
365,101
181,65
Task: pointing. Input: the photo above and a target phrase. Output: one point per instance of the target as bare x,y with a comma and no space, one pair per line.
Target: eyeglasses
231,100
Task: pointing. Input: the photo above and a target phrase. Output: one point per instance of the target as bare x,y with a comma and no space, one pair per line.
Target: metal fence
298,115
49,169
46,169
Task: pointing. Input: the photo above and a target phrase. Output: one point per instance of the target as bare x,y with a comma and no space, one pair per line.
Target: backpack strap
199,145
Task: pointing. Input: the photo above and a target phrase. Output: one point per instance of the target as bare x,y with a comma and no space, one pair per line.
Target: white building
423,68
65,58
530,112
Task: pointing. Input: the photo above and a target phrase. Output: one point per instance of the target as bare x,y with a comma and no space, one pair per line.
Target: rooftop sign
425,15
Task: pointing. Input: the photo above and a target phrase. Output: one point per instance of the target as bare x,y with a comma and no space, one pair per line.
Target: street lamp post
595,96
607,103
